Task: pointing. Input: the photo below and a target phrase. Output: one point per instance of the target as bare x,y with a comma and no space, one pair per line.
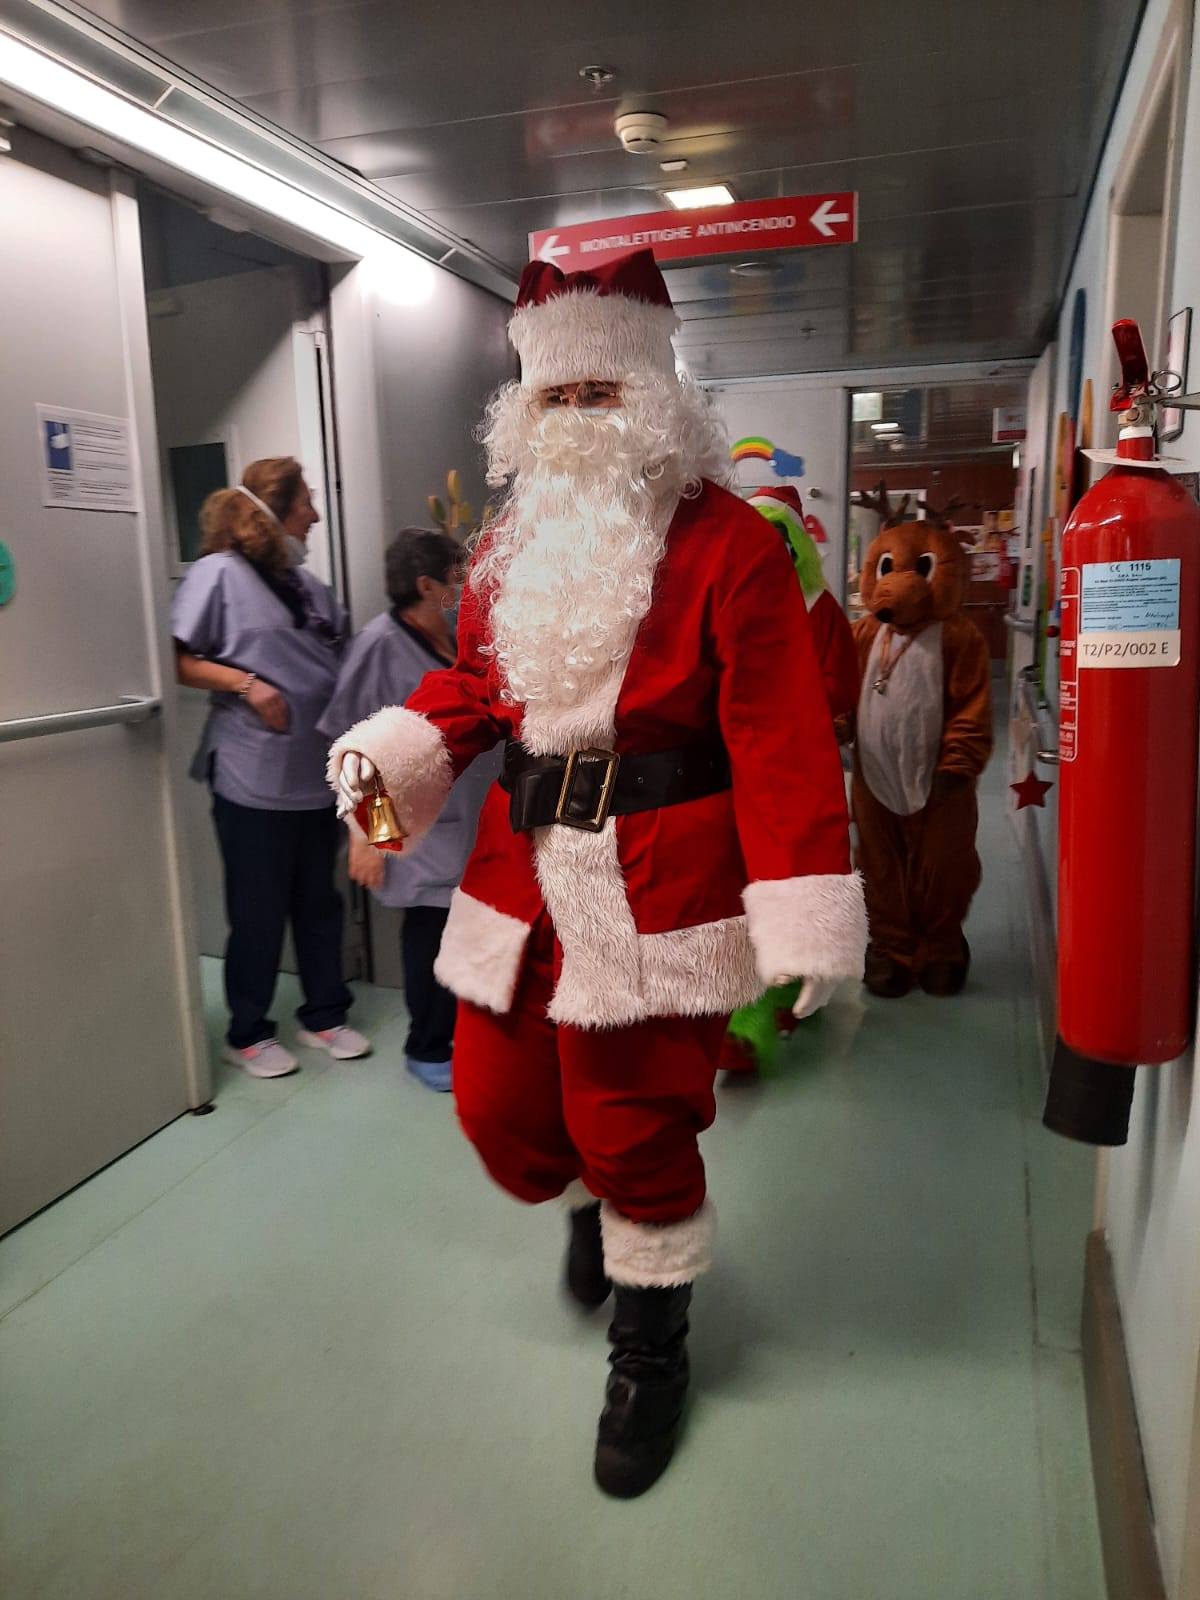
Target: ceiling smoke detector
641,132
599,77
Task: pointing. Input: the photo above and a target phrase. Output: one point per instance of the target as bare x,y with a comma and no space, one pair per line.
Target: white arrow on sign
552,249
824,218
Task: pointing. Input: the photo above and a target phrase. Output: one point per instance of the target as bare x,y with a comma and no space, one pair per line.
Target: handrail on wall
1039,711
130,708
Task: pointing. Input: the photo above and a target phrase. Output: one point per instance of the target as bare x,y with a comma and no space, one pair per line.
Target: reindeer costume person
924,734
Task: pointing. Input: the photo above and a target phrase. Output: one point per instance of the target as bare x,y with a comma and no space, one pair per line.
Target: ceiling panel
970,130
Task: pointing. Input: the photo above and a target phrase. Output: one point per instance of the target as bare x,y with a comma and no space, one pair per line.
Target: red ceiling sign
797,222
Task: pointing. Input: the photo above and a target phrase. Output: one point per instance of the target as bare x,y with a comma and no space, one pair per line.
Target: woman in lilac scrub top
265,638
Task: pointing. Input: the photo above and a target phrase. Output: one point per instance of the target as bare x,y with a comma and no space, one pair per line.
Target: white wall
807,418
1151,1200
411,376
431,366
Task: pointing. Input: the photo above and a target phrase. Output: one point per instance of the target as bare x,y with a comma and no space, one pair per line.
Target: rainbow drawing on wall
755,448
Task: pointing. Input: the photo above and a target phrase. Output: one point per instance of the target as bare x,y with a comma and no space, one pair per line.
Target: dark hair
419,553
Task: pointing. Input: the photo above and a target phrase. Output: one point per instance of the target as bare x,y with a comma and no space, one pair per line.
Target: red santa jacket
836,652
689,910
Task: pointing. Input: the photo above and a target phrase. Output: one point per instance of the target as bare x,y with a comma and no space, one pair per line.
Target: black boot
888,979
946,977
586,1278
646,1387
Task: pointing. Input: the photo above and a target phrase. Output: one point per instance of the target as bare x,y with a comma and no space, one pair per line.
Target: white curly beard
570,561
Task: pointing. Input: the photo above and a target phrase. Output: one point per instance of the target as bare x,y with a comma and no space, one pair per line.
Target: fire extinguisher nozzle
1088,1100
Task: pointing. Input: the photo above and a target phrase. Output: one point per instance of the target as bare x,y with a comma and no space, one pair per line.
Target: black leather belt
587,787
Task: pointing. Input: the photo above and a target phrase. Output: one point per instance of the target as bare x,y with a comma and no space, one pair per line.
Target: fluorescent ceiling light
712,194
866,405
885,427
408,278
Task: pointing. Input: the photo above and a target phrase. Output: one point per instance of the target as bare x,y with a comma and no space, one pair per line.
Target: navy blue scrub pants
279,867
431,1008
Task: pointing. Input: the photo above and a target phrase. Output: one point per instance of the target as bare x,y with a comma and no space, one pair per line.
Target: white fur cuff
480,957
411,758
647,1255
811,927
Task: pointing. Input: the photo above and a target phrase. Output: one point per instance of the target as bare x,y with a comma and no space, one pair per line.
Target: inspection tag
1129,615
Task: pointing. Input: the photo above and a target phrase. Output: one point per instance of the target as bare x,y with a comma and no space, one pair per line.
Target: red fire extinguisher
1129,706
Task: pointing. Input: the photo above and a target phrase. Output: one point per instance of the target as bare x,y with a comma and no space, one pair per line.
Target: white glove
814,994
354,774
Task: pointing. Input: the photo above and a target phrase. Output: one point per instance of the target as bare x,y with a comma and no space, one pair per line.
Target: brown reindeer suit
923,736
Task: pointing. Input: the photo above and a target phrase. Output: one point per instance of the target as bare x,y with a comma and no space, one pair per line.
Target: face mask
297,550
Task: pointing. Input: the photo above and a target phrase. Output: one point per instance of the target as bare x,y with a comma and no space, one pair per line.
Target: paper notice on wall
86,460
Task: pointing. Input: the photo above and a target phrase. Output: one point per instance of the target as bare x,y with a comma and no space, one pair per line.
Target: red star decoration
1031,791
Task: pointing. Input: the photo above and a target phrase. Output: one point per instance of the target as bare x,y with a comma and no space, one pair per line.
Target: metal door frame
151,522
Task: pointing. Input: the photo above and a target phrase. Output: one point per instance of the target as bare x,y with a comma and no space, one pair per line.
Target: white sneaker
342,1043
266,1060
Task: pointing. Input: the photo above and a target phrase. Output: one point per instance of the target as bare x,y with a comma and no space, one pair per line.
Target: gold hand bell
383,828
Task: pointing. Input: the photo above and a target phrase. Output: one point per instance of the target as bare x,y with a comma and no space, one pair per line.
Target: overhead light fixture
866,405
677,165
710,194
400,272
885,427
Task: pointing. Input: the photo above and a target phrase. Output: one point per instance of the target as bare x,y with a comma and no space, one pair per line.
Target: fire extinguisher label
1068,666
1129,616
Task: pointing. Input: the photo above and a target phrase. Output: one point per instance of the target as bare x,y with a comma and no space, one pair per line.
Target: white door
100,1036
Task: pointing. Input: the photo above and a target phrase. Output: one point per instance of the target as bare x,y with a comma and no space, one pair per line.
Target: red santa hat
606,323
783,504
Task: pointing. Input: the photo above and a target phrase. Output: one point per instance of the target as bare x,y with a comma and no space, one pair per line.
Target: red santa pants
545,1104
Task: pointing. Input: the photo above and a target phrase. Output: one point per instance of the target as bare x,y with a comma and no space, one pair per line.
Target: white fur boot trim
811,927
411,758
577,1196
647,1255
480,956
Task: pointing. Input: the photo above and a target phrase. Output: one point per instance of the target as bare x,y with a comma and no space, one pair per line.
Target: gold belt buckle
599,817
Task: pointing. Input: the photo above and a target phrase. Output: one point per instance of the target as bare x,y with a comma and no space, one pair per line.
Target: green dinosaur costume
754,1035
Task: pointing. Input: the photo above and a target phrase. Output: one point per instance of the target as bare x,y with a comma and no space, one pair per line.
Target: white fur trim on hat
481,952
411,758
649,1255
582,334
811,927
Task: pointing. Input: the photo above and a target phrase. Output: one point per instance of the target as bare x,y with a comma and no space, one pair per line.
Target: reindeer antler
942,516
876,500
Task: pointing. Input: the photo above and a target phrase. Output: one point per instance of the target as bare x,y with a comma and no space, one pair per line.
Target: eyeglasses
591,392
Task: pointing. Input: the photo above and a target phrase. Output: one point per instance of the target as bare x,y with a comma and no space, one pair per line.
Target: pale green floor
302,1350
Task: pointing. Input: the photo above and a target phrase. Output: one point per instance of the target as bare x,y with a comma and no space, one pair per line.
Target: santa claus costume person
661,846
